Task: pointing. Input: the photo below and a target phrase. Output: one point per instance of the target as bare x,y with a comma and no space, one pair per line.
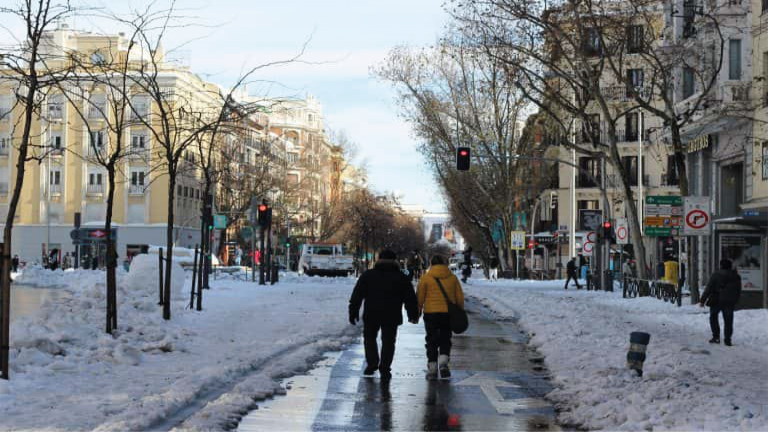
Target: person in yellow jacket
432,303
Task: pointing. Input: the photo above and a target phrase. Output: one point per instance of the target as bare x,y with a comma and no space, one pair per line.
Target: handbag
456,315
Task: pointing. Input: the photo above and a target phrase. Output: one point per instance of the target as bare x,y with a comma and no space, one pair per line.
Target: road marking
489,386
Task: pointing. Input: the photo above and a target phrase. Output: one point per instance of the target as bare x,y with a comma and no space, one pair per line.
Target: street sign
91,235
622,231
517,240
589,244
696,216
219,221
663,215
590,219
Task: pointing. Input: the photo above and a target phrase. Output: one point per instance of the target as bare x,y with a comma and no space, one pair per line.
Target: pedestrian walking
15,263
66,261
626,269
571,273
721,295
384,289
493,271
437,284
466,271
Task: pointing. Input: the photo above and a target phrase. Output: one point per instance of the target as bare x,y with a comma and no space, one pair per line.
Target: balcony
95,151
614,180
624,93
55,111
138,153
631,136
97,111
55,151
54,189
5,151
95,189
136,189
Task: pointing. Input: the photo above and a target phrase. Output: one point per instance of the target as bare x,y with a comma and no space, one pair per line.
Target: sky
344,39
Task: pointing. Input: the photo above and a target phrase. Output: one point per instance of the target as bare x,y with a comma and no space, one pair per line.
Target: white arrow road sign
489,386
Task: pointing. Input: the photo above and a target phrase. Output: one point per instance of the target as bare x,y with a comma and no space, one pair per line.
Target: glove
353,318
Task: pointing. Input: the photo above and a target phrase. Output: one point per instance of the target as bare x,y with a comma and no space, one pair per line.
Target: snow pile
688,384
143,276
146,375
36,275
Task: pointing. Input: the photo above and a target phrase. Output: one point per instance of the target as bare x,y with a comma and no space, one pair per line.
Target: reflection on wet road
497,384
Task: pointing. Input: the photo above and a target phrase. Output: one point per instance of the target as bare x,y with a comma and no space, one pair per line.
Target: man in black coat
384,289
571,272
721,295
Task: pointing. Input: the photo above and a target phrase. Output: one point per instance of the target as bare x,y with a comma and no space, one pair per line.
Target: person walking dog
437,284
721,295
384,289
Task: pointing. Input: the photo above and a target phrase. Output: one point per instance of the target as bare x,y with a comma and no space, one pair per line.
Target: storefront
744,241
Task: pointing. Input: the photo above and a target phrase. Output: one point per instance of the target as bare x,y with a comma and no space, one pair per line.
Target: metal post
194,280
261,256
160,267
269,255
253,254
640,187
200,279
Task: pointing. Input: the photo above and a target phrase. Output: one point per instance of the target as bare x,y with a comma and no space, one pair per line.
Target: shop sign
745,252
698,143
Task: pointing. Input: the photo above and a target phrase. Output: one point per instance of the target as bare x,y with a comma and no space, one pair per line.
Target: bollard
638,342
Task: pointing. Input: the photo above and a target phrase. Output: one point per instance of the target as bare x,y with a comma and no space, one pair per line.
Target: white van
326,259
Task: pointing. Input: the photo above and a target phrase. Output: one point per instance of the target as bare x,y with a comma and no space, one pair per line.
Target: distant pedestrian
466,271
15,263
570,269
384,289
65,262
434,305
626,269
721,295
95,262
53,259
238,256
493,270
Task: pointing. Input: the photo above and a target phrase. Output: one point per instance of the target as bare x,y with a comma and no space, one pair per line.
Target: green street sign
661,231
664,200
219,221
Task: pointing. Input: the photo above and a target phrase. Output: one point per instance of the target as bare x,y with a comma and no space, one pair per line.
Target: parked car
325,259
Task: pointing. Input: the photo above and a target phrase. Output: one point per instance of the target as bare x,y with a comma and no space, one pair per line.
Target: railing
136,189
668,292
54,189
95,151
623,93
55,112
56,151
95,189
138,153
97,112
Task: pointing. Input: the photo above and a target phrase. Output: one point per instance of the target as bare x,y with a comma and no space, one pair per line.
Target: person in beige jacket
432,303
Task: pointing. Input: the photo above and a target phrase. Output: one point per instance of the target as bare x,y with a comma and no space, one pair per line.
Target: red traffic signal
462,158
531,244
262,207
607,224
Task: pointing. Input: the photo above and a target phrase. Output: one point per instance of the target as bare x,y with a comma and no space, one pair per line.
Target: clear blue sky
352,36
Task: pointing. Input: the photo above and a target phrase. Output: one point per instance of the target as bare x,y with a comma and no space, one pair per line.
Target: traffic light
462,158
531,244
265,215
607,231
287,242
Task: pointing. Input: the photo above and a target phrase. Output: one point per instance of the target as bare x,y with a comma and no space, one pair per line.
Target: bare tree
26,69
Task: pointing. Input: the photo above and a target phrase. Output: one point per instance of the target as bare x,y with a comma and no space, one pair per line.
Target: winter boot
442,361
714,340
370,370
432,370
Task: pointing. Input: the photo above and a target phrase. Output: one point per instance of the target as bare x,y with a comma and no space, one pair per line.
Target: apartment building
72,130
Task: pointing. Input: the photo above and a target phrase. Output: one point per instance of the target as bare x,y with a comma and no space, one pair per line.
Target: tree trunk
169,245
5,278
111,255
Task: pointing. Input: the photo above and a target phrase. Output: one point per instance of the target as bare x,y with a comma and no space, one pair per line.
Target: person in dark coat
384,289
721,295
15,263
570,270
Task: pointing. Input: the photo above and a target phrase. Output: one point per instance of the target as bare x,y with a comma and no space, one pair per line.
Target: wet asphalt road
498,383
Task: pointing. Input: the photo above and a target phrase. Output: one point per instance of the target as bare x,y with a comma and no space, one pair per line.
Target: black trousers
575,279
714,324
439,334
388,338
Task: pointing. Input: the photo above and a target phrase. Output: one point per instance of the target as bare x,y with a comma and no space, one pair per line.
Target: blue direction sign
219,221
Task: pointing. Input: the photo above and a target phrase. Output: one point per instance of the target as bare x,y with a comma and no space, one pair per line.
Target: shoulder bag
456,315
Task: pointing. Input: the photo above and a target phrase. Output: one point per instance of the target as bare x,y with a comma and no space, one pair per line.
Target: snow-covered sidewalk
67,374
688,384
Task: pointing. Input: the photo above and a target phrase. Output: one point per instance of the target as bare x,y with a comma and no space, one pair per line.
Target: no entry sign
696,220
589,244
622,231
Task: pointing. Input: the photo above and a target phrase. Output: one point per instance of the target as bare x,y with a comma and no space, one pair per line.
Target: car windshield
323,250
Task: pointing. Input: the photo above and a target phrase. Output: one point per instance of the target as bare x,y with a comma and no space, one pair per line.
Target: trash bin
671,272
608,280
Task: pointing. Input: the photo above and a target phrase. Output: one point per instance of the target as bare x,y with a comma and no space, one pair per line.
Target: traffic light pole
261,256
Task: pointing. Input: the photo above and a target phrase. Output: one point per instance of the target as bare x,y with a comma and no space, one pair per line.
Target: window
688,82
139,141
96,139
139,107
764,7
689,15
630,168
765,160
5,145
95,179
635,39
56,107
765,77
56,142
590,44
734,59
179,189
137,178
186,192
634,81
589,172
591,129
632,125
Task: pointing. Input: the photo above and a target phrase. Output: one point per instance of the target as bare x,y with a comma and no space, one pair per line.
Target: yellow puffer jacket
430,298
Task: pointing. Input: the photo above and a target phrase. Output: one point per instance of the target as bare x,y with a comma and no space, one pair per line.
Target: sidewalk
497,384
688,384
